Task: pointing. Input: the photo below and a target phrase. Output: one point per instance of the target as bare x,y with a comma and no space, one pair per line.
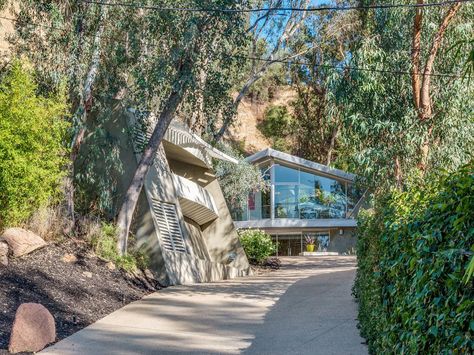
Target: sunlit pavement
304,308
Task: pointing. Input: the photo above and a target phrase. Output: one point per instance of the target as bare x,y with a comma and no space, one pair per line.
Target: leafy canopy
238,180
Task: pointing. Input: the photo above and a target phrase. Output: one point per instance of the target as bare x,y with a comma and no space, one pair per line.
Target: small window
168,225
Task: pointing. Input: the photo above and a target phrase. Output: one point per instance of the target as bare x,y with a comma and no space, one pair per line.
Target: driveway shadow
316,315
306,305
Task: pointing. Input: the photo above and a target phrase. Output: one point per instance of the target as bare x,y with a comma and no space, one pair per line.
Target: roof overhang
277,156
199,152
181,135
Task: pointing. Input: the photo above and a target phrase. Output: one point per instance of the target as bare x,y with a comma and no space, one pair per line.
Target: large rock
33,329
22,241
3,253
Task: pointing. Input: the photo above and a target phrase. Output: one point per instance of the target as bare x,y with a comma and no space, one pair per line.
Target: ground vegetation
32,152
257,244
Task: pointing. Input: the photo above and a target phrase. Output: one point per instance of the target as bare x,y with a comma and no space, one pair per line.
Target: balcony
196,203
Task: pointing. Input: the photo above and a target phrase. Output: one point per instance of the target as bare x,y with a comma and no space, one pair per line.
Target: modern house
182,220
304,199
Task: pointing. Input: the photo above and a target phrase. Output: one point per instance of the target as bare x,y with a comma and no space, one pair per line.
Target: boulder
33,329
22,241
3,253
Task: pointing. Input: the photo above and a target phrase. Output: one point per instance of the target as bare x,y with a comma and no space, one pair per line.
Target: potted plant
309,243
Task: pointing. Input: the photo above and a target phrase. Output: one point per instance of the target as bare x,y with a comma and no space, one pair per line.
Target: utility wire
288,9
343,67
283,61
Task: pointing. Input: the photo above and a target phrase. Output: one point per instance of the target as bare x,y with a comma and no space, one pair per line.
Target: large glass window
354,194
286,201
300,194
258,205
255,205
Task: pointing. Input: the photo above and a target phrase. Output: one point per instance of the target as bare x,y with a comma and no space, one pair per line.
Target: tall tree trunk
235,104
292,25
129,204
196,122
415,56
425,100
332,145
398,172
421,91
425,149
80,118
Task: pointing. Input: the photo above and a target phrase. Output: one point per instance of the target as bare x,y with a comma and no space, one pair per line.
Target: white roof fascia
269,152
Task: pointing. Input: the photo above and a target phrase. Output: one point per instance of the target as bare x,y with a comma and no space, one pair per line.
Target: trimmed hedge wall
413,251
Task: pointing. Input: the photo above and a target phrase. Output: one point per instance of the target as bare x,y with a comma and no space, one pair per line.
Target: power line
289,62
343,67
287,9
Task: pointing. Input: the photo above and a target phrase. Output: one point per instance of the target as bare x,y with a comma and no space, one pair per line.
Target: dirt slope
249,114
6,28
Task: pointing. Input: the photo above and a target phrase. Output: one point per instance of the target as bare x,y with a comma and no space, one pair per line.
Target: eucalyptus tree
421,74
383,130
184,45
271,32
142,55
65,41
331,35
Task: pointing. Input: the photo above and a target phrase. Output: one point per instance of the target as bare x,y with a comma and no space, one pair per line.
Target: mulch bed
269,265
74,299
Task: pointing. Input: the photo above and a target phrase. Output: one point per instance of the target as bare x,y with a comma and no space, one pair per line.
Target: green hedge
413,251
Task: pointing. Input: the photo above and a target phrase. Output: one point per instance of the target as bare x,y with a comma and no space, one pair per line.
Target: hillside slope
249,115
6,29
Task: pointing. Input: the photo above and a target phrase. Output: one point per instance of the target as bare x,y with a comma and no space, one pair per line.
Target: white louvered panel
140,140
168,225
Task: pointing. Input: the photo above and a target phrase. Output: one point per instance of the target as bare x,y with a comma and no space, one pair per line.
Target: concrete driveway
304,308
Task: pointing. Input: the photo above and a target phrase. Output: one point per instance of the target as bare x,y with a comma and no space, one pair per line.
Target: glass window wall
258,205
299,194
286,201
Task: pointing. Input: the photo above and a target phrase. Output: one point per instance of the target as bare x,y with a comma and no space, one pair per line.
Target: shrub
104,244
413,252
238,180
32,152
257,245
276,122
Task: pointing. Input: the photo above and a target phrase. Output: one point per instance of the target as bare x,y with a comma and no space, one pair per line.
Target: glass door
289,244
